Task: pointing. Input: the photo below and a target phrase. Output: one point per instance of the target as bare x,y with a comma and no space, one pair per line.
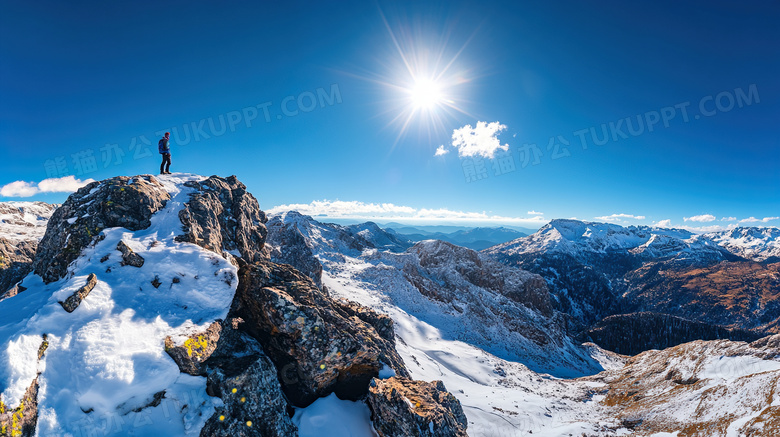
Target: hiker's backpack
161,146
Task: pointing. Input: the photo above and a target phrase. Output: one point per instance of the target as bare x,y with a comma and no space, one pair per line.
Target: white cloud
701,218
616,218
479,141
728,219
441,151
355,210
19,189
532,212
664,223
67,184
757,220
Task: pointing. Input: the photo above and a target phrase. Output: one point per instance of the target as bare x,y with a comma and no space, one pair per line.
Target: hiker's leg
167,162
162,164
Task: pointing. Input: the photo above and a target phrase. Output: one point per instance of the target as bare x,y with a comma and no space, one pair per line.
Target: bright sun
426,94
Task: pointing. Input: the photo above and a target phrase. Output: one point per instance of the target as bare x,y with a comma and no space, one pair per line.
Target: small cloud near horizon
617,218
757,220
67,184
703,218
356,210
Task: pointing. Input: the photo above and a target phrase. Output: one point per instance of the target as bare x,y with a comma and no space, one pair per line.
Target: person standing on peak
165,151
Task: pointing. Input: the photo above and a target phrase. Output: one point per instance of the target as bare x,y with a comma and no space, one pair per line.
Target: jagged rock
116,202
222,216
239,372
381,322
402,407
74,300
195,350
286,245
129,258
317,345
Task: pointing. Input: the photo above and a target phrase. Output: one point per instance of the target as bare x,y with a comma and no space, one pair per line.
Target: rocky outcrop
222,216
117,202
239,373
318,346
630,334
402,407
129,258
74,300
191,354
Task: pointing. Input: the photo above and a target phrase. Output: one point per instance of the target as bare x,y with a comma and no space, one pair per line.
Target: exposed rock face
402,407
129,258
15,262
116,202
318,346
630,334
22,225
74,300
222,216
286,245
522,287
241,374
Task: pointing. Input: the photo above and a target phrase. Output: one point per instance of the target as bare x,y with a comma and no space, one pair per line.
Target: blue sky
84,87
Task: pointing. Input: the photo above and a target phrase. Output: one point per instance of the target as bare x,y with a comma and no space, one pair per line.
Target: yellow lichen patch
16,421
196,346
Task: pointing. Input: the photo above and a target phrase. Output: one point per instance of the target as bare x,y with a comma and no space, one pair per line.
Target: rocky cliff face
223,217
317,345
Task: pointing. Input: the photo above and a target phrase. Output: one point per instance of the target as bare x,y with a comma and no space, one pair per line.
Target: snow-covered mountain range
158,305
596,270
